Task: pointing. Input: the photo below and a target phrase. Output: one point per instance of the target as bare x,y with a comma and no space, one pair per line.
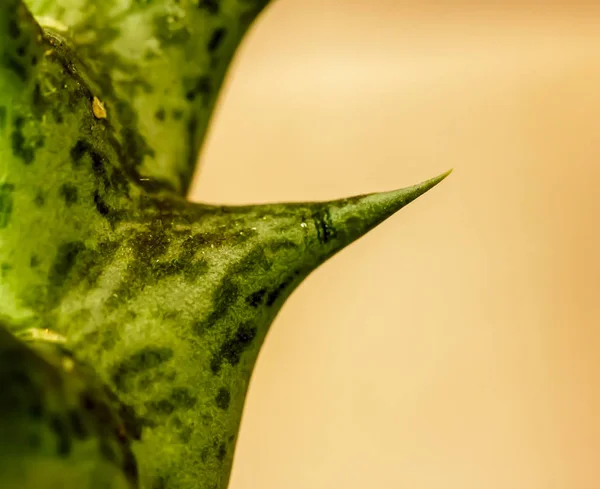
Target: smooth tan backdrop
457,346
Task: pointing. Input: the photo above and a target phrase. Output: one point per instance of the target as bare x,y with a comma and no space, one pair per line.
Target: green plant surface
131,318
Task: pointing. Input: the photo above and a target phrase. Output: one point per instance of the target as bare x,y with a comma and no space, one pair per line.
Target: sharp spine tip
343,221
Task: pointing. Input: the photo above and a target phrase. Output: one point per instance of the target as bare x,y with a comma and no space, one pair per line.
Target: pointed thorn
295,238
354,217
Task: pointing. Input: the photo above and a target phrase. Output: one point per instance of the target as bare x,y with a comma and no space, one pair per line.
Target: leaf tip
406,195
340,222
365,212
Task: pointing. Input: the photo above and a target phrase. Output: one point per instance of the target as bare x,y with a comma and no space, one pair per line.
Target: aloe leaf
59,426
113,286
193,291
160,65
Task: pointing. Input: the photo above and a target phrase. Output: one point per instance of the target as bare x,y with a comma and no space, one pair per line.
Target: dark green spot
202,86
64,261
221,452
277,291
191,129
223,398
39,199
181,397
6,203
216,39
101,206
97,410
14,30
162,407
99,162
204,454
231,350
145,359
283,245
324,226
18,141
136,148
256,298
211,6
69,193
132,423
81,148
161,114
185,433
130,466
224,297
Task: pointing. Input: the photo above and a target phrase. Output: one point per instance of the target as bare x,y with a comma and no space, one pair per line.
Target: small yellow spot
68,364
98,109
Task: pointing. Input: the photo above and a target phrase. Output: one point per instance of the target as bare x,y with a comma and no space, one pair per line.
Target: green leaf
166,302
160,66
59,426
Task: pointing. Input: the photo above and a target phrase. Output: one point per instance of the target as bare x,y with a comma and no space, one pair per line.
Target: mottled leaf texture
160,65
130,318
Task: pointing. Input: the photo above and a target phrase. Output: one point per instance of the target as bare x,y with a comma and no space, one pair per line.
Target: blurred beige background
457,346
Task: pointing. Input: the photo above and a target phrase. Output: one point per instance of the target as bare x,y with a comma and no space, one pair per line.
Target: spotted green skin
160,63
161,304
57,413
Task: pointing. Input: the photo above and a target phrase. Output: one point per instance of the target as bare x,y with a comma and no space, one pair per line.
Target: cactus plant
130,317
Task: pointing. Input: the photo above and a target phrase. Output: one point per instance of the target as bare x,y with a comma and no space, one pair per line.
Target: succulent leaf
160,65
161,305
65,428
